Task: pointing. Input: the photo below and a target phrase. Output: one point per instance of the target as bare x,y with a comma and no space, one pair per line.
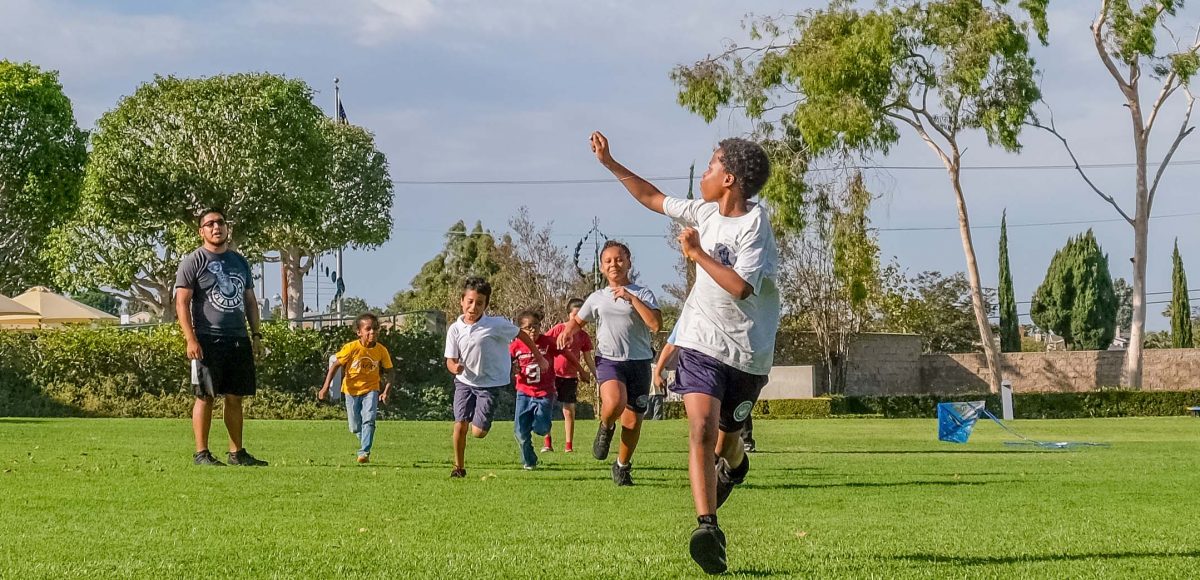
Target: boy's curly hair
748,163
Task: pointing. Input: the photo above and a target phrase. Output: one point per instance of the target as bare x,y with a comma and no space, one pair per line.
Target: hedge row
113,372
818,408
1104,403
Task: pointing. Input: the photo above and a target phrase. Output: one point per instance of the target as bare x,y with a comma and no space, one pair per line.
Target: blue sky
510,91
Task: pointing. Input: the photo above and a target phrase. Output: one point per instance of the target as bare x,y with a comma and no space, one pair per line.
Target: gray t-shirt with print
621,333
218,283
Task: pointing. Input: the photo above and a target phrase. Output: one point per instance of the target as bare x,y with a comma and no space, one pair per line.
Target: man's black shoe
243,458
620,475
708,548
727,478
206,458
603,441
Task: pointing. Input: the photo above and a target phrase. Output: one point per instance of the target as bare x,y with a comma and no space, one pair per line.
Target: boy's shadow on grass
756,573
21,420
923,452
919,483
996,560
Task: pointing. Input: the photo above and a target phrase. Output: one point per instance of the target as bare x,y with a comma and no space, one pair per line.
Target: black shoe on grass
727,478
708,548
458,472
206,458
243,458
620,474
603,441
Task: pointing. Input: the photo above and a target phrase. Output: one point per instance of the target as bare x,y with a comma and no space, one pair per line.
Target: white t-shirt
739,333
621,333
482,348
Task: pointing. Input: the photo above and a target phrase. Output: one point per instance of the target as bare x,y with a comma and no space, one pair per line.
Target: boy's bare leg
201,422
233,421
631,429
703,413
569,421
730,447
459,438
478,433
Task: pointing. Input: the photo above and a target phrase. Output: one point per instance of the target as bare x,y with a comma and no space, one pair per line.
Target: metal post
1006,399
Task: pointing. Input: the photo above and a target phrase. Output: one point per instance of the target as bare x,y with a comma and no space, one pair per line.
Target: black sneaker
603,442
459,472
708,548
206,458
727,478
243,458
620,474
748,446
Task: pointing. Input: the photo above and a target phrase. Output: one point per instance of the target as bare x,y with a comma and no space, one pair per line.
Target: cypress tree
1181,310
1076,300
1010,331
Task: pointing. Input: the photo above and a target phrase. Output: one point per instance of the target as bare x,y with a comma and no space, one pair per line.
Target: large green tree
253,145
1076,300
1181,309
1124,294
1136,43
844,80
42,152
357,212
1010,327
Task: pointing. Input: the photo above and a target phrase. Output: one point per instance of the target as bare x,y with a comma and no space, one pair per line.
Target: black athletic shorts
226,369
568,389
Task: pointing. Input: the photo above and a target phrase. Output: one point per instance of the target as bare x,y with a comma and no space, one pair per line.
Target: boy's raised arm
643,191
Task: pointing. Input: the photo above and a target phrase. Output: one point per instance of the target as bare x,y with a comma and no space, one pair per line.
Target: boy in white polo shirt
477,356
726,332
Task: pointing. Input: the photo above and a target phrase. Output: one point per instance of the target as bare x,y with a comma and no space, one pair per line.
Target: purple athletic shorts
634,374
736,389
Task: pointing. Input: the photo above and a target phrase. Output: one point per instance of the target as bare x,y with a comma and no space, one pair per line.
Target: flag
341,112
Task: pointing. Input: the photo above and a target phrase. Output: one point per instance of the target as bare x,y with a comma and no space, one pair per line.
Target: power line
1035,225
1033,167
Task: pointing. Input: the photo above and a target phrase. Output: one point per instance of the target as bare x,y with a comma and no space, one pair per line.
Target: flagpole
337,115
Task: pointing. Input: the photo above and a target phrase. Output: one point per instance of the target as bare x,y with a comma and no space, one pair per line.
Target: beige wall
1061,371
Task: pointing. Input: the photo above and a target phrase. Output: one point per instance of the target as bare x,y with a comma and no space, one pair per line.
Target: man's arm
183,311
643,191
252,316
455,367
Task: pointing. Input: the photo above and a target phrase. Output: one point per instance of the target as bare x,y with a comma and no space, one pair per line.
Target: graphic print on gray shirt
218,283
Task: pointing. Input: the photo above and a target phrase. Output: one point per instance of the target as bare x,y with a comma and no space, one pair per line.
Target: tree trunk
289,260
990,352
1132,373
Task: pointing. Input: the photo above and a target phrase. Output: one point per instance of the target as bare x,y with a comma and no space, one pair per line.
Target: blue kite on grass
956,420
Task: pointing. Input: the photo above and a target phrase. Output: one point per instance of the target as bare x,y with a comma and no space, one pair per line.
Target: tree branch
1051,129
1098,38
1184,131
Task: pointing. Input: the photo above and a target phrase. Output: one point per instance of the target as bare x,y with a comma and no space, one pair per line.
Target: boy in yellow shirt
364,362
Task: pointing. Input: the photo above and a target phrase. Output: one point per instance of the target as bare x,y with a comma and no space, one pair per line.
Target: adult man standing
214,299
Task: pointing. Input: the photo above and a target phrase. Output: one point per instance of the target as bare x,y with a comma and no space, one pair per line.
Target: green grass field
825,499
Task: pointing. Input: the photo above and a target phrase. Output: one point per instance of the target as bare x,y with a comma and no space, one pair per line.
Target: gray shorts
474,404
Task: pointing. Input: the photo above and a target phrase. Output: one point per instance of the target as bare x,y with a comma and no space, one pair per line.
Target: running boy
726,332
477,356
627,314
535,389
568,371
364,362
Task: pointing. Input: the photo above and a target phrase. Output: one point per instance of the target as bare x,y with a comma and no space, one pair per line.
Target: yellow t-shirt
361,366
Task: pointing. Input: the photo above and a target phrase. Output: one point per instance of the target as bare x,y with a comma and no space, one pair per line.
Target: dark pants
655,407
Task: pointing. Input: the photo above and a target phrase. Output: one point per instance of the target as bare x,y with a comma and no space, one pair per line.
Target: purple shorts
736,389
474,404
634,374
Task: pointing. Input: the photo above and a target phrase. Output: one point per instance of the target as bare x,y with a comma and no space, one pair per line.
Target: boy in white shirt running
726,332
477,356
